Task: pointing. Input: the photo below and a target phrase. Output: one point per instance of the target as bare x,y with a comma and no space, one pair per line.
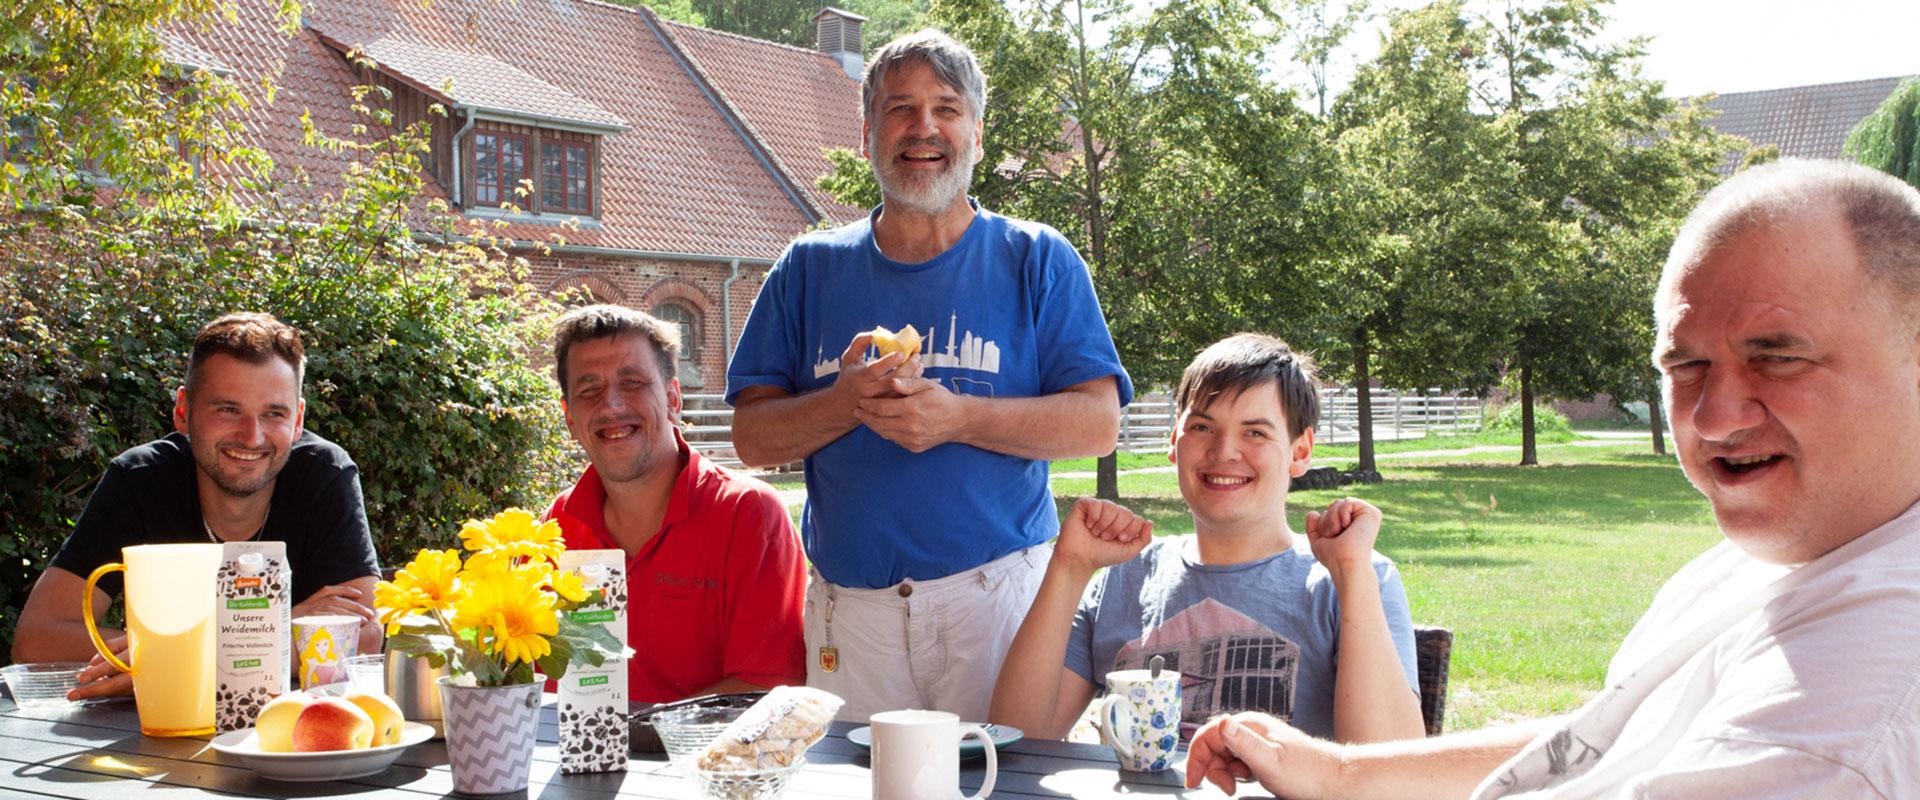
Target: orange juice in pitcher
170,632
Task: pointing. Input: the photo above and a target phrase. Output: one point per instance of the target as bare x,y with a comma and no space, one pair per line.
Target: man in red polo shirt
715,574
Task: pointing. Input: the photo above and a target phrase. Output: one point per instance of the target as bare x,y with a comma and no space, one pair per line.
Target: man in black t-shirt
239,467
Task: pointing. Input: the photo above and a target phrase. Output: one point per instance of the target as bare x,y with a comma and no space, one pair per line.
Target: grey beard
934,196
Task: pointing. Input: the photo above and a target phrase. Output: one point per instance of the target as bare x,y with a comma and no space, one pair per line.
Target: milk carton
253,626
593,700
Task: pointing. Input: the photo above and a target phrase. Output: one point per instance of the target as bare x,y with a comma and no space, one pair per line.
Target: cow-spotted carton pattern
254,629
593,700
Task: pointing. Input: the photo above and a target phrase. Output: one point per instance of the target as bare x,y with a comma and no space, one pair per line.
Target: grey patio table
96,752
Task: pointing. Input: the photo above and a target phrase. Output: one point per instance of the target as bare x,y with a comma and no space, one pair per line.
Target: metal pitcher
411,682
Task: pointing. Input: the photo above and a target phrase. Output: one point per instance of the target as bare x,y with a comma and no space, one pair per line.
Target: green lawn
1538,571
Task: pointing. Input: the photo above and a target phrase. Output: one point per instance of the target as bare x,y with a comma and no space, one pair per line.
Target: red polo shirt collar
586,504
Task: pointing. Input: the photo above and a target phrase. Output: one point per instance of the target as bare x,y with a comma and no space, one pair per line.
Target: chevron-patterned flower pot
490,735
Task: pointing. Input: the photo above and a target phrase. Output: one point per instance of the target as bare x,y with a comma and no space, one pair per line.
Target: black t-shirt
149,496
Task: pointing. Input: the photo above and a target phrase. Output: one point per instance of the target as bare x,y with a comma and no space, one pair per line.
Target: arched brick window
598,289
678,313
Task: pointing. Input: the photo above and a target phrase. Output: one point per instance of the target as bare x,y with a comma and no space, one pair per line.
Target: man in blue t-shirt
928,511
1316,632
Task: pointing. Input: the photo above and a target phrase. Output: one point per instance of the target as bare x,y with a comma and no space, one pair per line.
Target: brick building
672,163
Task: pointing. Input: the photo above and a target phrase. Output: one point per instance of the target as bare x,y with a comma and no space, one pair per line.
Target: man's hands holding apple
891,396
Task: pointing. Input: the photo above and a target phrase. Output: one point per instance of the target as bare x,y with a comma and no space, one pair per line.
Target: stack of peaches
298,722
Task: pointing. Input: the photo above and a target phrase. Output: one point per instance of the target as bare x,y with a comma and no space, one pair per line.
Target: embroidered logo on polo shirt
685,581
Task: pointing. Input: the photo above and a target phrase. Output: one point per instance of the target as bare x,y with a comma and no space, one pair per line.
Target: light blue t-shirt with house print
1260,636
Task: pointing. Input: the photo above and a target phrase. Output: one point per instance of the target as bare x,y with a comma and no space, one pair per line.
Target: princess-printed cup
1140,719
322,644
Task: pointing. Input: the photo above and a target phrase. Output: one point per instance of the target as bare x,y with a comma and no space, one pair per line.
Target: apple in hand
332,723
274,726
387,720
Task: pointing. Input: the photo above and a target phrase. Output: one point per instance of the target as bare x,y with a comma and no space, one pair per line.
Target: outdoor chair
1433,651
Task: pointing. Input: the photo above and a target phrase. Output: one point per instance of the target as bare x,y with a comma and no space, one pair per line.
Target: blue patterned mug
1140,719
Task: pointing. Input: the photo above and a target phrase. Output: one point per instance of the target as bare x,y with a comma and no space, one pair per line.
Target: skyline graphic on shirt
1228,662
963,351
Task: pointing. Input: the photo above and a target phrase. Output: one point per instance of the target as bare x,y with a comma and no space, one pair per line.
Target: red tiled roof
798,101
475,79
178,52
682,180
1804,121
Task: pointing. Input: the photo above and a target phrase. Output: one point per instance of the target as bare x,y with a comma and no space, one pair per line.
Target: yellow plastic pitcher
170,634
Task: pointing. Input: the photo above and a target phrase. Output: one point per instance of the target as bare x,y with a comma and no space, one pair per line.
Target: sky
1699,46
1725,46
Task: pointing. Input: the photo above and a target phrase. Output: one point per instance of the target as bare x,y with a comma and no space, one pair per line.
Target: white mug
916,756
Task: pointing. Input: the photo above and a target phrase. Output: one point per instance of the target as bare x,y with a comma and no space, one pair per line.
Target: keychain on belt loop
829,655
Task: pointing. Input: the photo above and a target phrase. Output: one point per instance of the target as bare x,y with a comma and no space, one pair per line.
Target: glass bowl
645,740
43,684
685,732
757,785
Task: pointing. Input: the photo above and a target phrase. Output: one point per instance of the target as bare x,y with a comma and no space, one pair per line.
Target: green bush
421,358
1548,425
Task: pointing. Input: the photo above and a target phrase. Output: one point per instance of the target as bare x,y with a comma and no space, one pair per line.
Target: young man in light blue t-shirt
1254,618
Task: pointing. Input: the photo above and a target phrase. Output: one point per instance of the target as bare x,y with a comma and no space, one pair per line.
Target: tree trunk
1361,379
1106,481
1657,418
1107,468
1529,453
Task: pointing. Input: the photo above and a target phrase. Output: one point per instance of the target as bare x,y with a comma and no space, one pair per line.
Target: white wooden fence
1147,422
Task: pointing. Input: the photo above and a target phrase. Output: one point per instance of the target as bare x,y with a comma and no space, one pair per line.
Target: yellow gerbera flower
395,604
514,616
567,584
428,583
510,535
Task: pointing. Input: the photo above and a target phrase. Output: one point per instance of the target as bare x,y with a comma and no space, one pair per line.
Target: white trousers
932,644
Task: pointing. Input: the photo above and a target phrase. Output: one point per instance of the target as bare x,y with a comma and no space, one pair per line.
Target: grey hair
1882,214
950,60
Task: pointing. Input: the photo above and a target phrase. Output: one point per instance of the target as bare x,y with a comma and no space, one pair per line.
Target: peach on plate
332,723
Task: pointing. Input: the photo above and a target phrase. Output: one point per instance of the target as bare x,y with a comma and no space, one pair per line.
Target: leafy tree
1601,155
66,67
1419,282
1889,139
887,20
676,10
1152,140
791,23
785,22
1317,29
419,355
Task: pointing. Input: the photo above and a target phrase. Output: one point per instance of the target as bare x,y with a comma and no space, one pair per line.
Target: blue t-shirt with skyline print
1008,311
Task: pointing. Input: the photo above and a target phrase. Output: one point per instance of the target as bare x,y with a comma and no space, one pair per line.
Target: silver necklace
217,540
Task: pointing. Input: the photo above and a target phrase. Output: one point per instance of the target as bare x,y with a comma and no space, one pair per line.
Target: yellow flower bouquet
501,613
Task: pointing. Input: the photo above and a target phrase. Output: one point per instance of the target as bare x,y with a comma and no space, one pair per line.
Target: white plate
327,766
1002,735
